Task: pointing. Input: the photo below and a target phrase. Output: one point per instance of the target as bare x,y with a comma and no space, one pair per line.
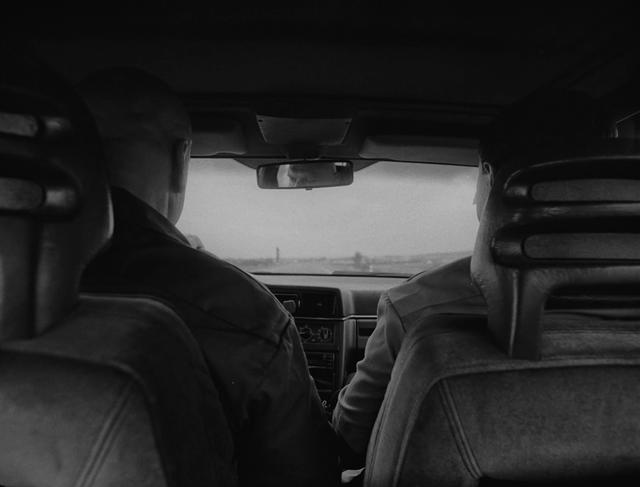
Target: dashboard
335,316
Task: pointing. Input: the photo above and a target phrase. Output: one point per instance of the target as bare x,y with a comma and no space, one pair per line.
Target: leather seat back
522,395
93,390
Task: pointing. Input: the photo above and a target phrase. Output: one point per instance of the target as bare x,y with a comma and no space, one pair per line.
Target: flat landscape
356,264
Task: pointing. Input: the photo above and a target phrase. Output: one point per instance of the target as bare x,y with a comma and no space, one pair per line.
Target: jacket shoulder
190,278
431,290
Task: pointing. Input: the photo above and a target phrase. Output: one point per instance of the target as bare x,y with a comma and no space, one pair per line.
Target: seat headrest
55,210
555,221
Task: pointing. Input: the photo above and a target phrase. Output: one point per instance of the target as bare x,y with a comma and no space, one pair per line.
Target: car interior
334,157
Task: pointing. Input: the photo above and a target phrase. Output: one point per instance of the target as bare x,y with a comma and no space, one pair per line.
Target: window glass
396,218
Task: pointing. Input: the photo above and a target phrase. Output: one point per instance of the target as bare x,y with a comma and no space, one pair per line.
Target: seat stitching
462,442
103,442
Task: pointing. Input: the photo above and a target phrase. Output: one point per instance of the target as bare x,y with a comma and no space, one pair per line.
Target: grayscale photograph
320,244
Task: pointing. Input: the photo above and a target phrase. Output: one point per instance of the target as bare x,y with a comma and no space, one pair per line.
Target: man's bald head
547,117
146,134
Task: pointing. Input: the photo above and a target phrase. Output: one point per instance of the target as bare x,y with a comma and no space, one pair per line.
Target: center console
335,316
321,324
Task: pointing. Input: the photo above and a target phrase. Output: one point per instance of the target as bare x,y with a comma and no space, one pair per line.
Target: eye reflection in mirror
305,174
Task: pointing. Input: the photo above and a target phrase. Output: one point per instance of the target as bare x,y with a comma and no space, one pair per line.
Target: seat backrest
115,394
93,391
458,411
523,395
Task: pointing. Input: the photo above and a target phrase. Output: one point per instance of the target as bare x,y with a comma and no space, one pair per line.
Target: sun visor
212,137
416,148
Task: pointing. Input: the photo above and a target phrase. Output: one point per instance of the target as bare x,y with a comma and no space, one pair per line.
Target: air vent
290,301
312,304
282,297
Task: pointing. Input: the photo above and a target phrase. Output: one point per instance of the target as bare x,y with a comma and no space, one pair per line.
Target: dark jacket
249,341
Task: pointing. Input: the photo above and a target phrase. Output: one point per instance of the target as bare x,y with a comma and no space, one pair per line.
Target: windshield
396,218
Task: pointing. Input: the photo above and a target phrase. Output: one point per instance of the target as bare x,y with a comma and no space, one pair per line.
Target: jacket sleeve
291,442
360,400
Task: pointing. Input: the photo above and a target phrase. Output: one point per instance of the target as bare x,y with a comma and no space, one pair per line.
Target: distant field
391,264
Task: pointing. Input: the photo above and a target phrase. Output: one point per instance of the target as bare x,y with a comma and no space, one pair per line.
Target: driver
571,116
252,347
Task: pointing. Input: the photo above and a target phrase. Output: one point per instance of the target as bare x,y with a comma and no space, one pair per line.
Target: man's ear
179,165
487,169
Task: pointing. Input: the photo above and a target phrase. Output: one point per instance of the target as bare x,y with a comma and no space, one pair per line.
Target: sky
390,209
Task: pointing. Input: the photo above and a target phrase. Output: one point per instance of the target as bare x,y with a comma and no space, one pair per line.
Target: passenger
252,347
537,120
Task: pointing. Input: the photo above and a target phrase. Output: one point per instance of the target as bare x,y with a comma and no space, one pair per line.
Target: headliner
444,69
477,57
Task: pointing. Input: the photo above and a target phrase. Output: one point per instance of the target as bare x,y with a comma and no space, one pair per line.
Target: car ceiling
427,79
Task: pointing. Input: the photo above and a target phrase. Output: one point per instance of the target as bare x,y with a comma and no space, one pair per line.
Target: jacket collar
132,216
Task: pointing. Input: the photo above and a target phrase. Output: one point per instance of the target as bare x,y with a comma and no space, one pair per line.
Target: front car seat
522,395
93,390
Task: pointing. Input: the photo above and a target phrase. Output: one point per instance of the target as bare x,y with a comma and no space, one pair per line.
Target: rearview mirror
308,175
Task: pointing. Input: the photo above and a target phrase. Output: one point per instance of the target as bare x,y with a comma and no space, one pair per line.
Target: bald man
250,342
